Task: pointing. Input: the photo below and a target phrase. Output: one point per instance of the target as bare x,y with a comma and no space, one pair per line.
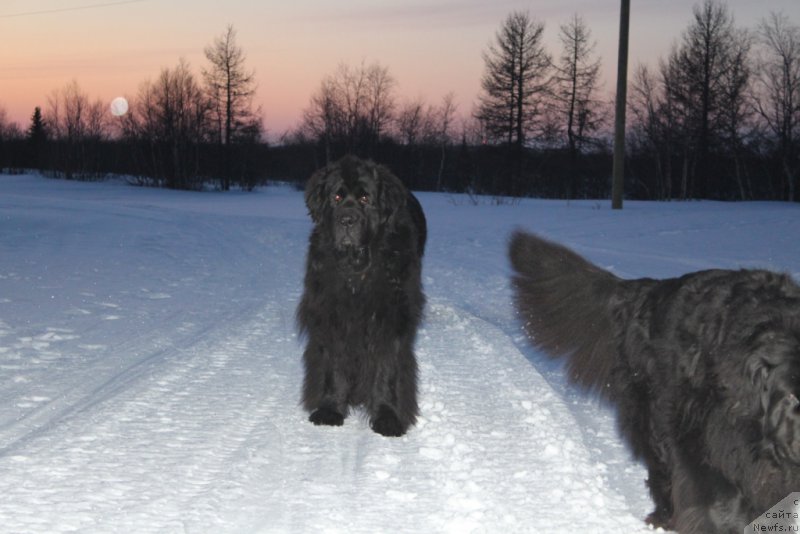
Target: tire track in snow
210,438
202,415
102,386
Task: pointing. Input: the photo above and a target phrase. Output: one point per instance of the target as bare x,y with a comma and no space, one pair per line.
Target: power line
63,9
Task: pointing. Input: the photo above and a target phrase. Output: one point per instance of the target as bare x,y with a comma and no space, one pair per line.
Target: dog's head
353,200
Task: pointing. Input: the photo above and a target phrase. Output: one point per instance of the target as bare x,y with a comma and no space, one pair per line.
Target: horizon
430,49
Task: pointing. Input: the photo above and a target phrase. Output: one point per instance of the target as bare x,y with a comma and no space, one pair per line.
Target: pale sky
431,47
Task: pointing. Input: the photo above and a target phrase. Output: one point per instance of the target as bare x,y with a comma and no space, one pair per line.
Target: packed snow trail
151,371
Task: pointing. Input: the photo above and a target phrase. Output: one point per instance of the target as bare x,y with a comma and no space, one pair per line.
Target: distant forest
717,118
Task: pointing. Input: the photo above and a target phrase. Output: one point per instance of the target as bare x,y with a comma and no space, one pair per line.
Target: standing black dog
363,299
704,371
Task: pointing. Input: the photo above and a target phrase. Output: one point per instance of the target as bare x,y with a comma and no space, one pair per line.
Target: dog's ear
316,192
393,193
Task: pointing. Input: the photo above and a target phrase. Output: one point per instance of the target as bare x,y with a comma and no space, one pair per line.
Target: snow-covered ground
150,369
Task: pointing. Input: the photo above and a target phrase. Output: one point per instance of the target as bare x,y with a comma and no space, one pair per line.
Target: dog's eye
364,199
338,197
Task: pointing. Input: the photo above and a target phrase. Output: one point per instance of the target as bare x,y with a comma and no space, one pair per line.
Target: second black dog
704,371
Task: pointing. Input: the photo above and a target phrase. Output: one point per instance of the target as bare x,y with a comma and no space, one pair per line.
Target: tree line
718,117
181,131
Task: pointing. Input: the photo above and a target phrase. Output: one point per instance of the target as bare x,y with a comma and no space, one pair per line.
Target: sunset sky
431,47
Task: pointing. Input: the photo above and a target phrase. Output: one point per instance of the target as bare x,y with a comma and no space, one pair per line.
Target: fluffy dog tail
567,307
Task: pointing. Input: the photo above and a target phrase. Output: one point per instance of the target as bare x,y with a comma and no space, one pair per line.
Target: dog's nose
347,220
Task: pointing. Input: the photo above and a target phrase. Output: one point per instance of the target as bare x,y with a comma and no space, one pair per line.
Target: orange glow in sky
431,47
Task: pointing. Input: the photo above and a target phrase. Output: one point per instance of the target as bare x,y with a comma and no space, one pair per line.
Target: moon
119,106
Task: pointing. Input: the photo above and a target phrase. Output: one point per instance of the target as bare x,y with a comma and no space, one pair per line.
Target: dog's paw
326,416
387,424
660,519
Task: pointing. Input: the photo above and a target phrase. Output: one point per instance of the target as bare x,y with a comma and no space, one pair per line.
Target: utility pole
618,174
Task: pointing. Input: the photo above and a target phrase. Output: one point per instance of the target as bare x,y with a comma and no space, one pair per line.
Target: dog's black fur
704,371
363,299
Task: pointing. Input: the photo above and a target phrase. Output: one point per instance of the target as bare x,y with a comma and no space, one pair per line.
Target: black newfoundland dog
704,371
363,298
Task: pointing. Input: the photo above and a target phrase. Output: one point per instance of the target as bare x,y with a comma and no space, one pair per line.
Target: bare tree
352,109
735,109
577,115
515,80
78,126
380,102
709,50
576,78
778,93
323,119
8,128
648,131
170,117
444,121
66,112
411,121
9,131
230,86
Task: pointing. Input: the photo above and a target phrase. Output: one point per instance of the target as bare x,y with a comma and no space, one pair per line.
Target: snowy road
150,370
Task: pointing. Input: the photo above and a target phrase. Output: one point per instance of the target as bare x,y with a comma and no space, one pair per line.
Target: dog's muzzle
349,228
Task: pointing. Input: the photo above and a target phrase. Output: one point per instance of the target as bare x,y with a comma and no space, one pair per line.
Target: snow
150,370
